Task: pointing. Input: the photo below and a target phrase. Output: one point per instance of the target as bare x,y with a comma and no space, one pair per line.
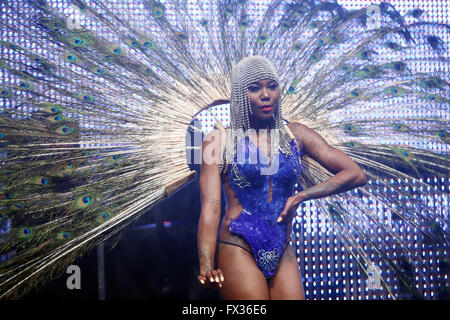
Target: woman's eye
253,89
273,87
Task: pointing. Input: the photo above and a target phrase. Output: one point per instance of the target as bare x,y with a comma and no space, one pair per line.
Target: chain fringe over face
247,71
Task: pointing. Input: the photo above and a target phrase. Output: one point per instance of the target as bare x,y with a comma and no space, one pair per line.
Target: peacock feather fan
96,108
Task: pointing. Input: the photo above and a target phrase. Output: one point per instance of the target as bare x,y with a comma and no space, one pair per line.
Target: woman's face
264,97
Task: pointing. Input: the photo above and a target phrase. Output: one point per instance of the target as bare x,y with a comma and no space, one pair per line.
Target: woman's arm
347,174
210,187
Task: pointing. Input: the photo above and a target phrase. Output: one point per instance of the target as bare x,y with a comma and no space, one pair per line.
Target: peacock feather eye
133,43
84,201
400,127
86,97
181,36
78,42
285,25
147,43
243,24
405,154
334,38
296,47
365,54
98,70
228,11
117,50
322,41
42,181
443,135
291,89
71,57
8,195
313,57
354,93
105,215
25,232
45,69
64,130
391,45
63,236
5,93
158,11
313,25
398,66
396,91
349,128
204,22
24,85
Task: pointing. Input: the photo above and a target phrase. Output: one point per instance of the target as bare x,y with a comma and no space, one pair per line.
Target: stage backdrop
328,269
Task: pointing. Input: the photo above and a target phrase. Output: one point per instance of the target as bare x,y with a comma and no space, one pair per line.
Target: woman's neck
258,124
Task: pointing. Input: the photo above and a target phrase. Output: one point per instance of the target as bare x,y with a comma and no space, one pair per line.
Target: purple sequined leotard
257,222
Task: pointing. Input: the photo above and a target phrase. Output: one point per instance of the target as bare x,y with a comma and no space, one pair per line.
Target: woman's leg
243,279
286,284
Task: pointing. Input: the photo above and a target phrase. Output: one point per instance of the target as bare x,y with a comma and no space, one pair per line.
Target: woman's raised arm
347,174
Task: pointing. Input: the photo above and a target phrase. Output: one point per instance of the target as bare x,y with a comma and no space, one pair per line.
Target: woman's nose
264,93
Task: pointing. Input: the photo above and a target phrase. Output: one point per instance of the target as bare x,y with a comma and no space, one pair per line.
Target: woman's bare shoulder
299,131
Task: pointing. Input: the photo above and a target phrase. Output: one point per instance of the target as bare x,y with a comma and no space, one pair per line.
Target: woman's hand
290,207
212,279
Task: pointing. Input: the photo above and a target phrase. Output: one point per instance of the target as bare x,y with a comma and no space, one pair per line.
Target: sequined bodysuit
257,222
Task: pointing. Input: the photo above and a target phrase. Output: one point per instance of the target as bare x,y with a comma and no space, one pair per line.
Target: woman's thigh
286,284
243,279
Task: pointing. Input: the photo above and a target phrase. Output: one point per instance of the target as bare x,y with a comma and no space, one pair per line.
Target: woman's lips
266,108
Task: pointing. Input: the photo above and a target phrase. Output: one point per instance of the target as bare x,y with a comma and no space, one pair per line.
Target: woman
253,259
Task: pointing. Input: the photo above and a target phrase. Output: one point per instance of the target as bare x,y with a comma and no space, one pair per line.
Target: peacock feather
96,107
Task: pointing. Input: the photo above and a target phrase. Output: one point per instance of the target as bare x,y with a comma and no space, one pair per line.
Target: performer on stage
254,258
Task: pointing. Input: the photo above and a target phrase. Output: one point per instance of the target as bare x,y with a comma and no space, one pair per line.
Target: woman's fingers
287,208
201,279
213,278
222,278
